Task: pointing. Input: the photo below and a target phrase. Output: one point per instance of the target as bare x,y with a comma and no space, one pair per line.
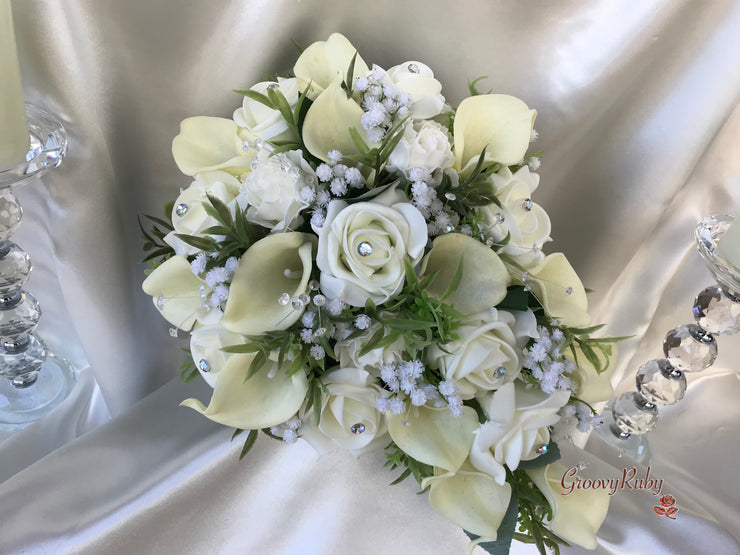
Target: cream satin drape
640,128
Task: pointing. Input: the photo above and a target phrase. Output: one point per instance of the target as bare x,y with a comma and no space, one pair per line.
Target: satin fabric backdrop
640,129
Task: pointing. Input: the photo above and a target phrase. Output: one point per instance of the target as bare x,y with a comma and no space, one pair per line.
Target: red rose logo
667,509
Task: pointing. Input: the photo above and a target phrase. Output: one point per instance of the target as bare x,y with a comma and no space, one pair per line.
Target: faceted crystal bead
15,266
715,312
22,366
19,315
660,383
690,348
632,415
10,214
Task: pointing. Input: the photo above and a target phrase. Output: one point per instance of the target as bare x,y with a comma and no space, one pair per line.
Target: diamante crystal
413,68
357,428
15,266
365,248
319,300
499,372
19,316
305,298
173,332
181,209
296,303
542,449
258,144
498,218
313,285
660,383
283,299
632,416
690,348
568,290
203,365
22,365
272,86
10,214
450,196
715,312
528,204
245,145
255,163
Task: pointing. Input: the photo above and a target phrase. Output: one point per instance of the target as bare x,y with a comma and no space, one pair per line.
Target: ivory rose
424,145
349,418
484,357
417,80
263,122
517,425
271,193
363,246
188,215
524,221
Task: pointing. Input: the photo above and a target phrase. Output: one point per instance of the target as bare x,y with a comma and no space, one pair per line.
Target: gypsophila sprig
358,261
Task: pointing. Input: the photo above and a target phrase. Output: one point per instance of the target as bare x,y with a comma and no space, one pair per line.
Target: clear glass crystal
10,214
633,446
19,316
21,364
660,383
15,266
632,415
716,312
690,348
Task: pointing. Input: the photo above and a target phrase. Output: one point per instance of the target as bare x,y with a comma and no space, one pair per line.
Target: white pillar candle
13,128
728,245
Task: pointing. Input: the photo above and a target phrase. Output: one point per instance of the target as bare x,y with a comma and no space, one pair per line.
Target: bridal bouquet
360,263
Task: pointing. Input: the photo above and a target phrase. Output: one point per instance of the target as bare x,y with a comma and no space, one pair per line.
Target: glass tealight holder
32,380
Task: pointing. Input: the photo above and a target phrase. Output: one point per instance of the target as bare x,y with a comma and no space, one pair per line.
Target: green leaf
359,143
249,443
372,342
517,298
254,95
216,230
202,243
350,74
280,102
550,456
406,473
257,363
237,432
245,348
223,210
408,324
472,86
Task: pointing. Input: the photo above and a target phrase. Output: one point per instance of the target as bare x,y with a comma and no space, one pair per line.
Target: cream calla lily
484,279
592,386
499,123
279,263
324,61
557,286
207,143
576,516
268,398
206,343
434,437
470,499
328,122
180,300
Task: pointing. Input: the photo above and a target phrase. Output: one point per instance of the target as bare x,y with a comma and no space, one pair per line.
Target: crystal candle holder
33,380
687,348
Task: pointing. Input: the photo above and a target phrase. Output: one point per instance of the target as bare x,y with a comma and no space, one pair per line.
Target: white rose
348,414
262,121
424,145
188,215
417,80
526,222
271,193
484,357
362,247
205,348
348,352
517,427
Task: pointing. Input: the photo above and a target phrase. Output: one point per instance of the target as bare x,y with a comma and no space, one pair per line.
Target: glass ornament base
632,446
21,406
48,146
707,234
